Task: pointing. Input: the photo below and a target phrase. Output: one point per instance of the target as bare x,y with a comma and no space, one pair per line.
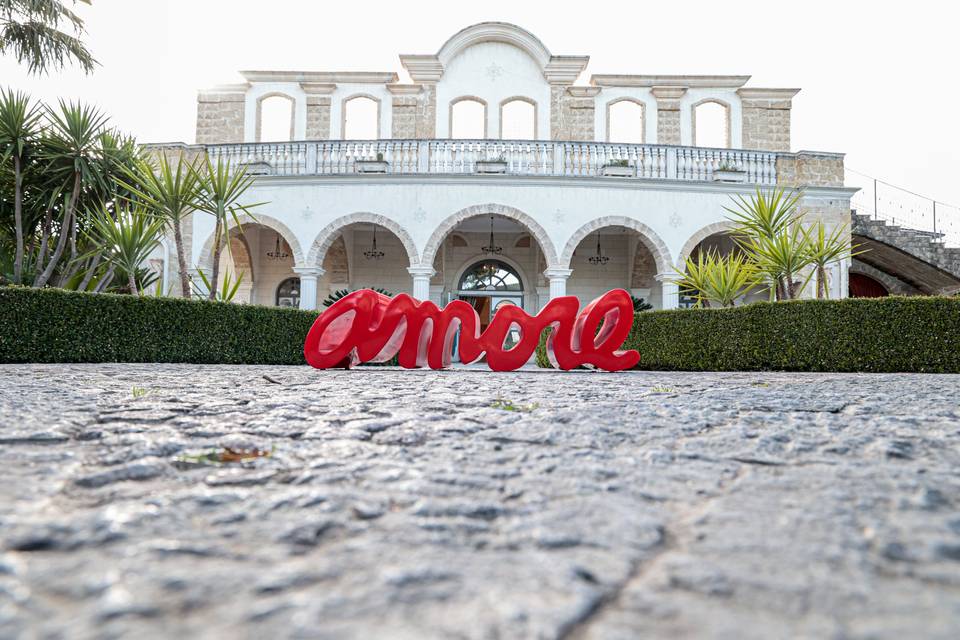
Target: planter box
372,166
491,166
619,171
729,175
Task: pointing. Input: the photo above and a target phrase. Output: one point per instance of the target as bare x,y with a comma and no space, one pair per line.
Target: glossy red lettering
366,326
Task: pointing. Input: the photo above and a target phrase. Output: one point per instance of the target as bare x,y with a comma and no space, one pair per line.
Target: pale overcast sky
878,79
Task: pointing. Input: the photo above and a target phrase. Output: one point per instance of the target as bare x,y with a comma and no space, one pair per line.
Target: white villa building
498,172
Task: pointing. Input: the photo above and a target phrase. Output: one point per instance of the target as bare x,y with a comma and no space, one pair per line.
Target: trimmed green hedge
52,325
881,334
916,334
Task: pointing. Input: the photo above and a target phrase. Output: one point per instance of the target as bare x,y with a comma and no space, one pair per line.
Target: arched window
288,293
276,119
361,118
468,118
625,121
518,119
711,125
490,275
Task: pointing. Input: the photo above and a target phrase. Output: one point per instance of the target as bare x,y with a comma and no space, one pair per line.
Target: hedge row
916,334
52,325
882,334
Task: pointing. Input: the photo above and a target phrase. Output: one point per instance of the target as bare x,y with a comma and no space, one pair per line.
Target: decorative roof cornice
318,88
584,92
623,80
361,77
565,69
422,68
404,89
757,93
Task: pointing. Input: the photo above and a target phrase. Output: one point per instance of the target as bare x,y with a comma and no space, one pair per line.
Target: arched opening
711,125
613,257
518,119
275,118
360,255
625,121
484,239
488,285
288,293
361,118
468,118
260,258
863,286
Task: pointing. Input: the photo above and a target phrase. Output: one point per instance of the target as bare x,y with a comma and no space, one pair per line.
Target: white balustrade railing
521,157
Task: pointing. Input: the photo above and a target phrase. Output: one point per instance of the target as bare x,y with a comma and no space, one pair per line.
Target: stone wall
318,117
572,112
220,117
808,169
668,113
766,118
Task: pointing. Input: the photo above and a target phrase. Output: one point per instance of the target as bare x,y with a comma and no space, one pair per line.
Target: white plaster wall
390,273
348,90
674,211
612,94
256,91
516,74
696,95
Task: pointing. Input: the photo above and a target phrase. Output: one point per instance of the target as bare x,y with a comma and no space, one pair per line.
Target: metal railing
515,157
901,207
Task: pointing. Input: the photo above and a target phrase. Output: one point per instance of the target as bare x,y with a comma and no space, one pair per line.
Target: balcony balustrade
521,157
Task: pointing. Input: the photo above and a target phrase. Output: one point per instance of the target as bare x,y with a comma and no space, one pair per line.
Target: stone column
670,290
558,281
668,113
318,109
421,281
308,286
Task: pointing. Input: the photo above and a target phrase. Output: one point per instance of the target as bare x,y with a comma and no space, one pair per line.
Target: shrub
917,334
52,325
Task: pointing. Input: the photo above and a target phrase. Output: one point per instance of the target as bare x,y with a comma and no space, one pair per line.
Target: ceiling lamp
373,253
278,253
598,259
492,247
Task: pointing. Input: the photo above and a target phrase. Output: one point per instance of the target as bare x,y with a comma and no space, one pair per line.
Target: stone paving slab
468,504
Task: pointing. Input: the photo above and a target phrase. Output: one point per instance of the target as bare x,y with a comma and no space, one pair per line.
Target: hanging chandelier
373,253
598,259
492,247
278,253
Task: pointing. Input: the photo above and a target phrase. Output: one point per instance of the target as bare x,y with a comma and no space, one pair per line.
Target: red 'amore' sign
366,326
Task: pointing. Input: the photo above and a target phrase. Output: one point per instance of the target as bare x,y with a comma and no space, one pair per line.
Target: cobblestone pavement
467,504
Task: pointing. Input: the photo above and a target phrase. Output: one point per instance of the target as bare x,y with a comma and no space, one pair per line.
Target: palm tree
171,193
19,123
824,250
74,157
30,30
767,230
221,189
125,241
720,279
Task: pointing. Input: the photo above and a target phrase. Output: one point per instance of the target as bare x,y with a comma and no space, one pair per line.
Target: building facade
498,174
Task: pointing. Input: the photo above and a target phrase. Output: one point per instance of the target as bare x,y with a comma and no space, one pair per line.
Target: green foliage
339,293
639,304
227,291
717,279
125,241
915,334
53,325
31,31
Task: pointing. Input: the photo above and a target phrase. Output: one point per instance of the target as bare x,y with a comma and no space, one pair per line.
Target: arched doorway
488,285
288,293
863,286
